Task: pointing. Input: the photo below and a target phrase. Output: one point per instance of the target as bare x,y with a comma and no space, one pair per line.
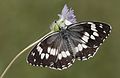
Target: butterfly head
60,24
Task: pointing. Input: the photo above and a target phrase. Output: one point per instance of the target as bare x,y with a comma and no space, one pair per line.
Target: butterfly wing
60,49
51,52
87,37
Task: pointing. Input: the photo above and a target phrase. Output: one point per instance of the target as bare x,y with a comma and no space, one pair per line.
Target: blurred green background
24,21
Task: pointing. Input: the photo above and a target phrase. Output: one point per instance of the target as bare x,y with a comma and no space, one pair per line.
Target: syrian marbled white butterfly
68,41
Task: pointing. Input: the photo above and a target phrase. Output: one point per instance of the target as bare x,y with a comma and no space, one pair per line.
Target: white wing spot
84,46
104,31
47,55
63,54
64,68
46,66
51,63
60,56
89,54
39,49
34,60
54,50
32,53
95,46
76,49
95,34
53,68
63,65
87,34
48,50
101,26
58,68
51,51
82,41
80,47
94,29
30,63
69,65
42,55
73,60
85,38
68,53
84,58
33,64
92,25
92,37
41,65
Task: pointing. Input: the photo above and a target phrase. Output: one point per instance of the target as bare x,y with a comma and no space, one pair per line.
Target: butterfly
70,40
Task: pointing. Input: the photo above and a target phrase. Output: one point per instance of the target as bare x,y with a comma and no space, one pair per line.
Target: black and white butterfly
76,41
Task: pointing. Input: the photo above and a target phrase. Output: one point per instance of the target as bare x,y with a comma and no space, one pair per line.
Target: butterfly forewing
88,36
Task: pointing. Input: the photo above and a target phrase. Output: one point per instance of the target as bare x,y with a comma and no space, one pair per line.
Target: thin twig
9,65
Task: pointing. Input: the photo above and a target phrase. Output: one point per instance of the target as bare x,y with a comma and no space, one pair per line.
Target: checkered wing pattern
87,38
51,52
60,49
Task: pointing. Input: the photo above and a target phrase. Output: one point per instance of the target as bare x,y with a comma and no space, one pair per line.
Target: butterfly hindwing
51,52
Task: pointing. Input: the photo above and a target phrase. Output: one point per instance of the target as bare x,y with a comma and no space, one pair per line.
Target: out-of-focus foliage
24,21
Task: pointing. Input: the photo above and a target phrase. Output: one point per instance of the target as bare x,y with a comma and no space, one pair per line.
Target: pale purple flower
68,14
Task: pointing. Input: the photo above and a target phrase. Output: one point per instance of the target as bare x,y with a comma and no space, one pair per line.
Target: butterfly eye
55,21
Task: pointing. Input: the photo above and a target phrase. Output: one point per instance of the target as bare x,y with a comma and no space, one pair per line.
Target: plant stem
9,65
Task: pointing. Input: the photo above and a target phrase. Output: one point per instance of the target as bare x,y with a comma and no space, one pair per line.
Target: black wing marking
51,52
87,37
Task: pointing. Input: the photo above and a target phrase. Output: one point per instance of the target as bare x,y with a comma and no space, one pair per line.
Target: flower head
66,18
68,14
